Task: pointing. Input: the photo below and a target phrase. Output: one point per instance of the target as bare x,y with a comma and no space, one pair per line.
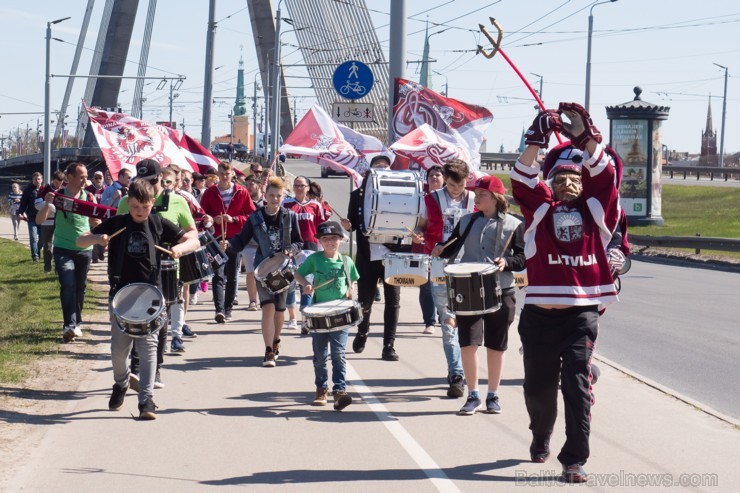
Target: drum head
467,268
138,303
328,308
274,263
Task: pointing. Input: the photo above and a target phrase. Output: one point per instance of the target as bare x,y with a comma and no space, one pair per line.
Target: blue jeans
426,302
72,267
322,341
450,342
33,238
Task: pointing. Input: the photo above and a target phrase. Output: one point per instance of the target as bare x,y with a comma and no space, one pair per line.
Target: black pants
370,273
559,343
225,281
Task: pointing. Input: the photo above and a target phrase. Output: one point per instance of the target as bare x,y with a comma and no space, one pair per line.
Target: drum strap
500,218
153,231
286,230
459,243
349,279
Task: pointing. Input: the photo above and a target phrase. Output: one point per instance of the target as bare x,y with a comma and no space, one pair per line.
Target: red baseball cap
490,183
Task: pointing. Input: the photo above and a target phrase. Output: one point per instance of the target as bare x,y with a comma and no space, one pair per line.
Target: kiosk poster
630,138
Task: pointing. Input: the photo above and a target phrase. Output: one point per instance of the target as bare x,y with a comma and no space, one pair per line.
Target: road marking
435,473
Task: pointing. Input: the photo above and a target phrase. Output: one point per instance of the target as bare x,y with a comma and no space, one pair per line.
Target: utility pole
397,56
276,86
205,135
724,113
254,116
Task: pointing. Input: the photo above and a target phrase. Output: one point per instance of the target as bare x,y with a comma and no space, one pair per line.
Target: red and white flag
416,105
200,158
318,138
124,141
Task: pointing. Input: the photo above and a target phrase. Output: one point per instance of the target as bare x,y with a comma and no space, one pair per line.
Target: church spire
240,104
709,116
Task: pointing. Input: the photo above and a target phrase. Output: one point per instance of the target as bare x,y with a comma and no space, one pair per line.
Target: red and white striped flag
416,105
200,158
124,141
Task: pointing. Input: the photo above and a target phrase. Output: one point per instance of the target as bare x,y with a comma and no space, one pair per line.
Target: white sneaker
429,329
78,331
194,299
293,324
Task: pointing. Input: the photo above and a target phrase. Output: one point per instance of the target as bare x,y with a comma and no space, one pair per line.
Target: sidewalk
224,421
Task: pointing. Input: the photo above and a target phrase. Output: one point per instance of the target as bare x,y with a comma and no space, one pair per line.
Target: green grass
30,312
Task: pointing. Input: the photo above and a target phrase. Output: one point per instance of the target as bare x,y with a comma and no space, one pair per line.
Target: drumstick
117,233
506,245
453,240
325,283
168,252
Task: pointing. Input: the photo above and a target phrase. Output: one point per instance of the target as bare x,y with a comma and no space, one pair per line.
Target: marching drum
437,270
275,272
214,253
195,267
332,316
406,269
473,288
168,274
139,309
393,204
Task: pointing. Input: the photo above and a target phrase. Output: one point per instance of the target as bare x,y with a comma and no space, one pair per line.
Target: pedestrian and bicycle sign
353,79
352,112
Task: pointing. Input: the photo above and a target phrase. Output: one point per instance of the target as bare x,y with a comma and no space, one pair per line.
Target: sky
667,47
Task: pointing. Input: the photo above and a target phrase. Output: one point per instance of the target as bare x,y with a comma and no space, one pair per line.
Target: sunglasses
167,182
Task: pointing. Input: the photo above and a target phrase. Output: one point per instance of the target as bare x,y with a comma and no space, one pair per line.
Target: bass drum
393,205
139,309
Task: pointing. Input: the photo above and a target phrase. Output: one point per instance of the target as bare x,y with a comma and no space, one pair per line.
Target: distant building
708,155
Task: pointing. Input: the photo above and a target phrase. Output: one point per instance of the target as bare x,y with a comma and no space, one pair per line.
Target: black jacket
27,207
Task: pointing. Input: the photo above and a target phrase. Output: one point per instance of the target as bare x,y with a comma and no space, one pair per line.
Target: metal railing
699,171
698,243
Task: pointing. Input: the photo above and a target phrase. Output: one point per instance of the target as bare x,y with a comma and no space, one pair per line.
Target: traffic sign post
352,112
353,79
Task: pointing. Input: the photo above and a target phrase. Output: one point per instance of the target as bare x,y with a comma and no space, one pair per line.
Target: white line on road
416,452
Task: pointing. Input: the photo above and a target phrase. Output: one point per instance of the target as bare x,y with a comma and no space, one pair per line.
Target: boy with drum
277,233
132,259
333,274
495,237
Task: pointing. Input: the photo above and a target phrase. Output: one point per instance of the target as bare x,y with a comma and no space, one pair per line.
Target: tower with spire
708,156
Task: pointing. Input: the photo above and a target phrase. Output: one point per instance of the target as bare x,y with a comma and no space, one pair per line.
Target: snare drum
437,270
168,273
406,269
393,203
473,288
195,267
139,309
332,316
275,272
214,253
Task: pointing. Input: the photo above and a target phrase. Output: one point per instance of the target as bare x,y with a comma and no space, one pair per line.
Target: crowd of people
564,239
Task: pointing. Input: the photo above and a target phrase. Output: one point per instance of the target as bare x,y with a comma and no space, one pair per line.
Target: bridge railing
699,171
698,243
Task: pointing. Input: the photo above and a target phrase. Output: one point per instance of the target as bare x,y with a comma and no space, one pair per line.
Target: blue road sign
353,79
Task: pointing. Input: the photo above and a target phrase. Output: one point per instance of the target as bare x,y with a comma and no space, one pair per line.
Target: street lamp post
447,83
276,86
254,116
47,102
541,80
588,53
724,112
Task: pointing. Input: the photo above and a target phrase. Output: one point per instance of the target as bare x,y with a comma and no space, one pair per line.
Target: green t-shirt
177,211
324,269
68,226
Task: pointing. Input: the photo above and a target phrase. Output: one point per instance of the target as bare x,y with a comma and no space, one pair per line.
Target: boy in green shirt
333,275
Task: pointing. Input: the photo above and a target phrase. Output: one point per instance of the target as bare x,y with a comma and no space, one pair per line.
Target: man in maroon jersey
569,219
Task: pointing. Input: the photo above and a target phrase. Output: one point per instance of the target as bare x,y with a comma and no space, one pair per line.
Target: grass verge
30,312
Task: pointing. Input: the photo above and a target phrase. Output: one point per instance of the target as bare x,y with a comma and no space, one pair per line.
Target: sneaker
220,318
472,405
177,345
389,354
457,387
146,410
194,298
377,294
47,271
292,324
158,383
322,397
78,331
341,400
429,329
574,474
595,374
269,360
276,348
539,450
228,315
358,345
252,306
133,382
493,406
116,398
187,332
304,328
68,335
235,302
